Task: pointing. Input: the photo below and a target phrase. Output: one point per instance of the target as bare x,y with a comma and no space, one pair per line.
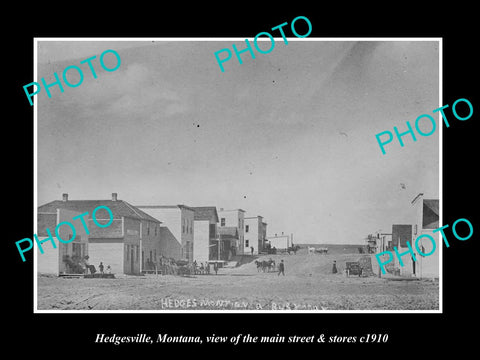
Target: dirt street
308,284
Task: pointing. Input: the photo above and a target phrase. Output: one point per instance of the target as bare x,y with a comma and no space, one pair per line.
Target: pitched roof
119,208
205,213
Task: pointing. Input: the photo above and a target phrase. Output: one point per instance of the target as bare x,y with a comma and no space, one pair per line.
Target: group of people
81,265
101,268
167,266
204,269
164,265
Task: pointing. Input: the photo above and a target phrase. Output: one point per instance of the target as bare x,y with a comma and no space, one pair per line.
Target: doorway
131,260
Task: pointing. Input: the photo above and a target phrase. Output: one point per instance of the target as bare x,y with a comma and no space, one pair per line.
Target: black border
413,334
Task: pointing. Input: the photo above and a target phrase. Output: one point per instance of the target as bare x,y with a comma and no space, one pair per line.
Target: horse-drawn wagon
184,267
265,265
353,268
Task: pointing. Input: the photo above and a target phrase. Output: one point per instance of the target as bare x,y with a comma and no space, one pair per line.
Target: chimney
114,196
65,197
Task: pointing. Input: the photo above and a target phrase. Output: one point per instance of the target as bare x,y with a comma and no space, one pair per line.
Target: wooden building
128,244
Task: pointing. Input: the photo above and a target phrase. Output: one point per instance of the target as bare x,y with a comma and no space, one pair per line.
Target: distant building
234,218
279,241
372,243
384,243
254,234
126,245
206,241
177,229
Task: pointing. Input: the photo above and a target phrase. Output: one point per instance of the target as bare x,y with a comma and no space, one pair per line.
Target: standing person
334,268
251,250
215,267
208,268
86,263
281,268
100,267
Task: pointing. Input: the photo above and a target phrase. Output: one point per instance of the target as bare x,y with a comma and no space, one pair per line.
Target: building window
246,243
148,229
187,250
247,228
222,222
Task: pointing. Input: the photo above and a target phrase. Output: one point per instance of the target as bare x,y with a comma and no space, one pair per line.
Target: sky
289,135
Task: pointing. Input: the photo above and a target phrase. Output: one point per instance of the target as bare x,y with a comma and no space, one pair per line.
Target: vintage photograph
164,184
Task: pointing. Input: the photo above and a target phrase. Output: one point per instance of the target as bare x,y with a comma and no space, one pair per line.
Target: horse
322,250
270,264
311,250
265,265
88,267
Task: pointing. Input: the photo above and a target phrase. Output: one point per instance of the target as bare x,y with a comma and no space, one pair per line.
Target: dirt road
308,284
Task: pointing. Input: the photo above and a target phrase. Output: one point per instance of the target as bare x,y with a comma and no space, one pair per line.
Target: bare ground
308,284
